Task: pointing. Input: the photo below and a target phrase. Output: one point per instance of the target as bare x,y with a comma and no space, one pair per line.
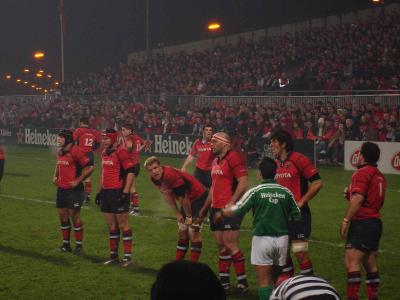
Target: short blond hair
151,160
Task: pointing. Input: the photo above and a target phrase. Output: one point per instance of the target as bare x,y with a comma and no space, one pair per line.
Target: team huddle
219,188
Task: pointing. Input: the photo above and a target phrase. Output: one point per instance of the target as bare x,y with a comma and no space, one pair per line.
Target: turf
33,268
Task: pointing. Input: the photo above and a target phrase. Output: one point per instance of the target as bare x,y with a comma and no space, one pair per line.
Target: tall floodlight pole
62,23
147,27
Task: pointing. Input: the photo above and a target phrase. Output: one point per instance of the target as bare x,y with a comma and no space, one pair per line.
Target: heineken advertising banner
171,145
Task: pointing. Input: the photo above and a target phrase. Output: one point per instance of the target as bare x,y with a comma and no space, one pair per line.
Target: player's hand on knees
55,179
188,220
180,218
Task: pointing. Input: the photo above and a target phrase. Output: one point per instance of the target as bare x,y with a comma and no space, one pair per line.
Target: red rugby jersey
69,166
133,143
369,182
112,167
173,178
205,157
224,173
2,154
85,138
294,173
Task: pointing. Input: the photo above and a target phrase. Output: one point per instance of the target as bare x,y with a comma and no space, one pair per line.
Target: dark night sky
102,32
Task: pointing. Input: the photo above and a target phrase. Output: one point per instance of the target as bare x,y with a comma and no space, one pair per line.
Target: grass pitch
33,268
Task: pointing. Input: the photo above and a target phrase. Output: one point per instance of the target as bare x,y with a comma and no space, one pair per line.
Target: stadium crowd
326,123
352,56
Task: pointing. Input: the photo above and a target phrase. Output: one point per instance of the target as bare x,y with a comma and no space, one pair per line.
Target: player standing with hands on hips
362,225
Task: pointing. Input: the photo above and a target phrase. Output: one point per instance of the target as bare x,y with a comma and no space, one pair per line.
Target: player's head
153,166
220,143
126,129
84,121
370,154
109,137
281,142
64,138
267,168
187,280
208,131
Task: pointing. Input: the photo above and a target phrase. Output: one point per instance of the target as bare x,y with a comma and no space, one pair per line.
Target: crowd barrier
164,145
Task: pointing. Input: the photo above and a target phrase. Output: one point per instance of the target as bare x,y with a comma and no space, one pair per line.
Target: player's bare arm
185,203
172,203
241,188
355,204
313,189
203,211
187,162
55,176
86,171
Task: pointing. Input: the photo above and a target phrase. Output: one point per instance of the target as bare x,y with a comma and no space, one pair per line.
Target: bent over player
181,187
366,195
2,160
73,166
295,172
117,172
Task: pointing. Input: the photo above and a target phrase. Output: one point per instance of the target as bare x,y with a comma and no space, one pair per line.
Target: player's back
85,138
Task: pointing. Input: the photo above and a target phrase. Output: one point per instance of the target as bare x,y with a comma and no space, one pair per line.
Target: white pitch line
335,245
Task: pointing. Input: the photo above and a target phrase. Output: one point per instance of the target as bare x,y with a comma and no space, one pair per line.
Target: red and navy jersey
69,166
113,168
174,179
133,143
2,154
85,138
294,173
369,182
205,157
225,173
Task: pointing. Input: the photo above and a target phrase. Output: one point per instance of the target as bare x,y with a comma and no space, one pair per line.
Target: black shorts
90,155
301,229
110,202
364,235
136,169
196,205
69,198
203,176
231,223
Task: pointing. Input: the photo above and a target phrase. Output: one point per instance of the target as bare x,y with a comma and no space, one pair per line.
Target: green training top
273,207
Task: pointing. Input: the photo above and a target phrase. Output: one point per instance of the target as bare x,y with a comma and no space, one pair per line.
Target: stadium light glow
41,71
49,76
26,70
377,1
33,86
39,75
214,26
56,83
38,55
25,82
19,80
8,76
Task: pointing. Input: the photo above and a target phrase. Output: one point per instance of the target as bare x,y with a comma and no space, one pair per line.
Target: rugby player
2,160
